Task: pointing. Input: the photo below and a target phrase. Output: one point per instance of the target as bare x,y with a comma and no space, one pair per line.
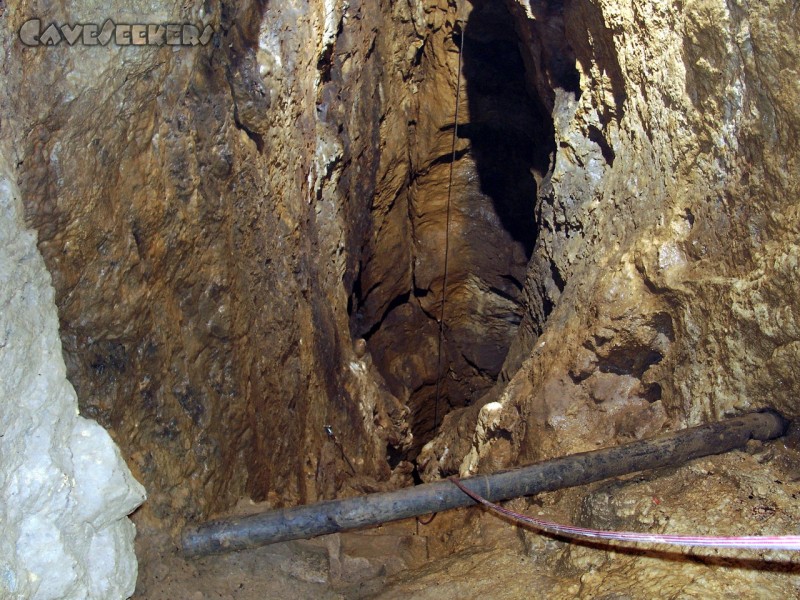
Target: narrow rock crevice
504,149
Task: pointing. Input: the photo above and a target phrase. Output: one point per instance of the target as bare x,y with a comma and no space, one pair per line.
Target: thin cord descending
447,240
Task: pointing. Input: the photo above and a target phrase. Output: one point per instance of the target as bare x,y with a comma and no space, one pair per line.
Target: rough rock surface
186,203
736,494
502,138
469,554
223,221
64,488
667,252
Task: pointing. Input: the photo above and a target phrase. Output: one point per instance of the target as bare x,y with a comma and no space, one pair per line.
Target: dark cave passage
509,129
505,144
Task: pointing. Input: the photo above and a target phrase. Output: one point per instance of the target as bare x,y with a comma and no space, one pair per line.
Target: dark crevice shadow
510,132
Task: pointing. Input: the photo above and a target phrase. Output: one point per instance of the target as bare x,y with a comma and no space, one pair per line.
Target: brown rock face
191,206
667,230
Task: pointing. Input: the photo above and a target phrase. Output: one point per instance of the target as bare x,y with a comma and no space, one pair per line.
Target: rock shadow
510,127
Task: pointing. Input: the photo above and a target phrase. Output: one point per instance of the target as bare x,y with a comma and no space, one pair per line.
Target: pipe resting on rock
672,449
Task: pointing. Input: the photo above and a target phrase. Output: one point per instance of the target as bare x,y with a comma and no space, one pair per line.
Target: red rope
755,542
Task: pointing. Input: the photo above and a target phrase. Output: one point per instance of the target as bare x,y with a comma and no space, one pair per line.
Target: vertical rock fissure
504,149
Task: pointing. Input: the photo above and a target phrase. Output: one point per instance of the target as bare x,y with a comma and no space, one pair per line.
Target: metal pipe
239,533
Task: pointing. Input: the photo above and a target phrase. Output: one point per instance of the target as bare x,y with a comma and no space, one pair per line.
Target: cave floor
390,562
471,554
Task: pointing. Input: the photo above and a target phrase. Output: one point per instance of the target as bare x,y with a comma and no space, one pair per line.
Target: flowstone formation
192,207
64,488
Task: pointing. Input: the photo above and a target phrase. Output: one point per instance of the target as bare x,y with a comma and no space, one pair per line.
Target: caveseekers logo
90,34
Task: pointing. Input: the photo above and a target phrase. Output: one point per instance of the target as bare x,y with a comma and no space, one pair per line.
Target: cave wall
500,144
668,229
198,208
222,221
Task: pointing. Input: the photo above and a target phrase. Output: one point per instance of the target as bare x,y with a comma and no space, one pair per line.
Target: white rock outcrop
64,488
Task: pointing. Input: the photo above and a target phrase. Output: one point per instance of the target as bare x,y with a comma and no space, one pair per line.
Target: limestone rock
189,203
64,488
222,222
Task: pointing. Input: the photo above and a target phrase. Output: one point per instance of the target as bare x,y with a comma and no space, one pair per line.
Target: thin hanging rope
759,542
447,241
